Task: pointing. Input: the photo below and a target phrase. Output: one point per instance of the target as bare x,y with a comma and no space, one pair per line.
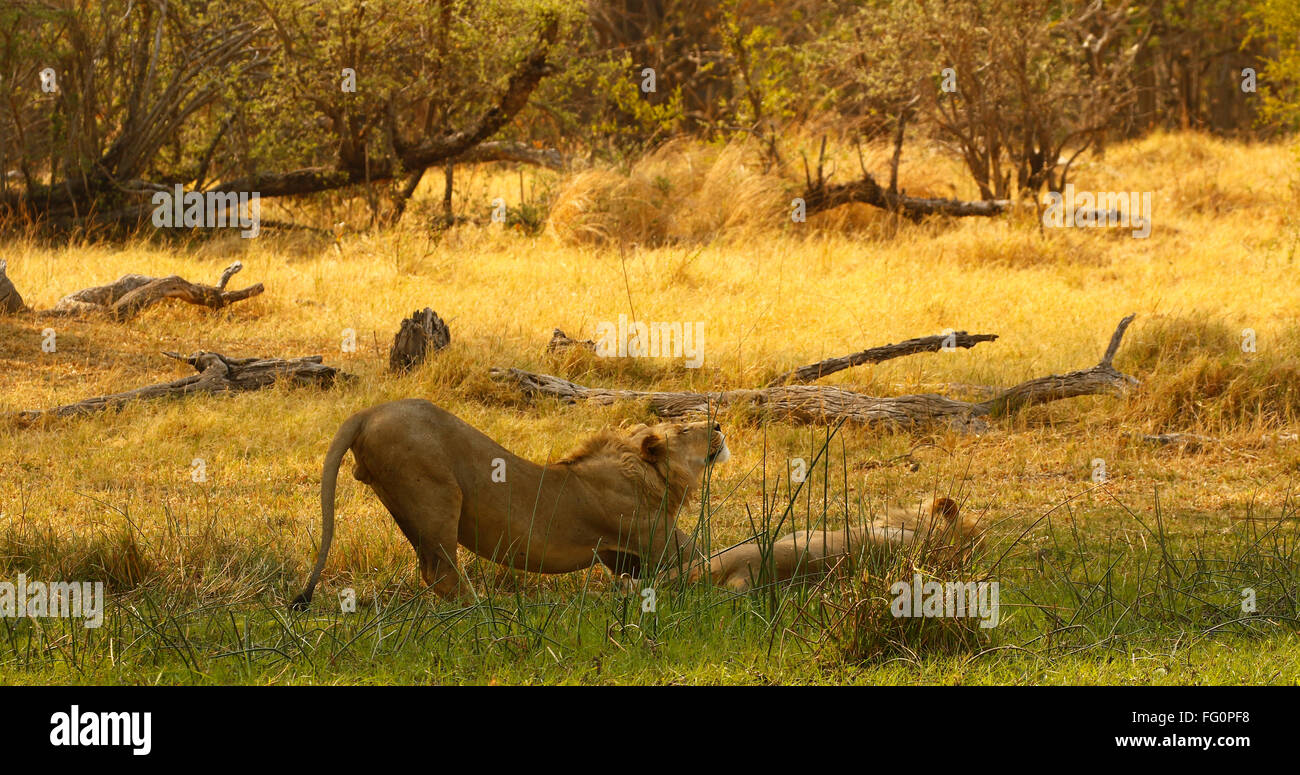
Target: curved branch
1102,378
814,371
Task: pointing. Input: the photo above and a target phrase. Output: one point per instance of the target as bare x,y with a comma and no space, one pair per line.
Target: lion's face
692,445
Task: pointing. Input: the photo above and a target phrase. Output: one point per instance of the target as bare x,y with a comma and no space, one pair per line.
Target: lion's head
668,458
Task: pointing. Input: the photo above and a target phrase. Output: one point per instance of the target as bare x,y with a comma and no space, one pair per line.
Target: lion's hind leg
429,519
438,567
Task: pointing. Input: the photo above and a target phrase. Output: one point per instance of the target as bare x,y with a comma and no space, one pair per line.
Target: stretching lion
614,500
807,555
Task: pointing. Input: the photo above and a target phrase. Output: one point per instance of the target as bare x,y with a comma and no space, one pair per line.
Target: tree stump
411,345
561,341
10,300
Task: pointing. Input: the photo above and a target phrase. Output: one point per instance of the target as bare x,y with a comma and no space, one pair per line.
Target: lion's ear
945,507
653,447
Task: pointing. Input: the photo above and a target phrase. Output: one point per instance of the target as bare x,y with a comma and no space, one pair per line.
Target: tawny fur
614,500
808,555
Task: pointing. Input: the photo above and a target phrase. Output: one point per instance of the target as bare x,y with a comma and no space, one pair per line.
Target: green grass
1122,602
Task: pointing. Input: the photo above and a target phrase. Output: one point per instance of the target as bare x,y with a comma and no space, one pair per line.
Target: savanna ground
1135,580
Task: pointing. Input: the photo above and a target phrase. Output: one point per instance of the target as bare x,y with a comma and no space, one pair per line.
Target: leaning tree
109,101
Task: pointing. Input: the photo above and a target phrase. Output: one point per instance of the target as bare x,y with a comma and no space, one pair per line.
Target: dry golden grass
683,192
112,496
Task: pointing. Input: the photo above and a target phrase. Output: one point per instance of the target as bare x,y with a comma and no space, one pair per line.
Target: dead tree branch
216,374
819,196
815,371
1101,378
825,405
133,293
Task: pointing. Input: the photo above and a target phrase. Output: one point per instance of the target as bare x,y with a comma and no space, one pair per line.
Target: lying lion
614,500
810,554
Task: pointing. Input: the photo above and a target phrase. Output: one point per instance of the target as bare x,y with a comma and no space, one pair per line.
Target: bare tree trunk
404,196
448,215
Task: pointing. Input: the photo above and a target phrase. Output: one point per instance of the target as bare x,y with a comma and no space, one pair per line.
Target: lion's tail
329,479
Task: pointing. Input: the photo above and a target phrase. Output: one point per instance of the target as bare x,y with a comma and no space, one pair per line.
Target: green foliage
631,119
1279,21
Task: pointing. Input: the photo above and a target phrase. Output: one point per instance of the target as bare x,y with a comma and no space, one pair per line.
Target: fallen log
422,330
799,403
1188,442
216,374
10,300
133,293
822,404
867,191
815,371
819,196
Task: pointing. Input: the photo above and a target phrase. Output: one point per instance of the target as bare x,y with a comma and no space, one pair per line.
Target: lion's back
415,426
